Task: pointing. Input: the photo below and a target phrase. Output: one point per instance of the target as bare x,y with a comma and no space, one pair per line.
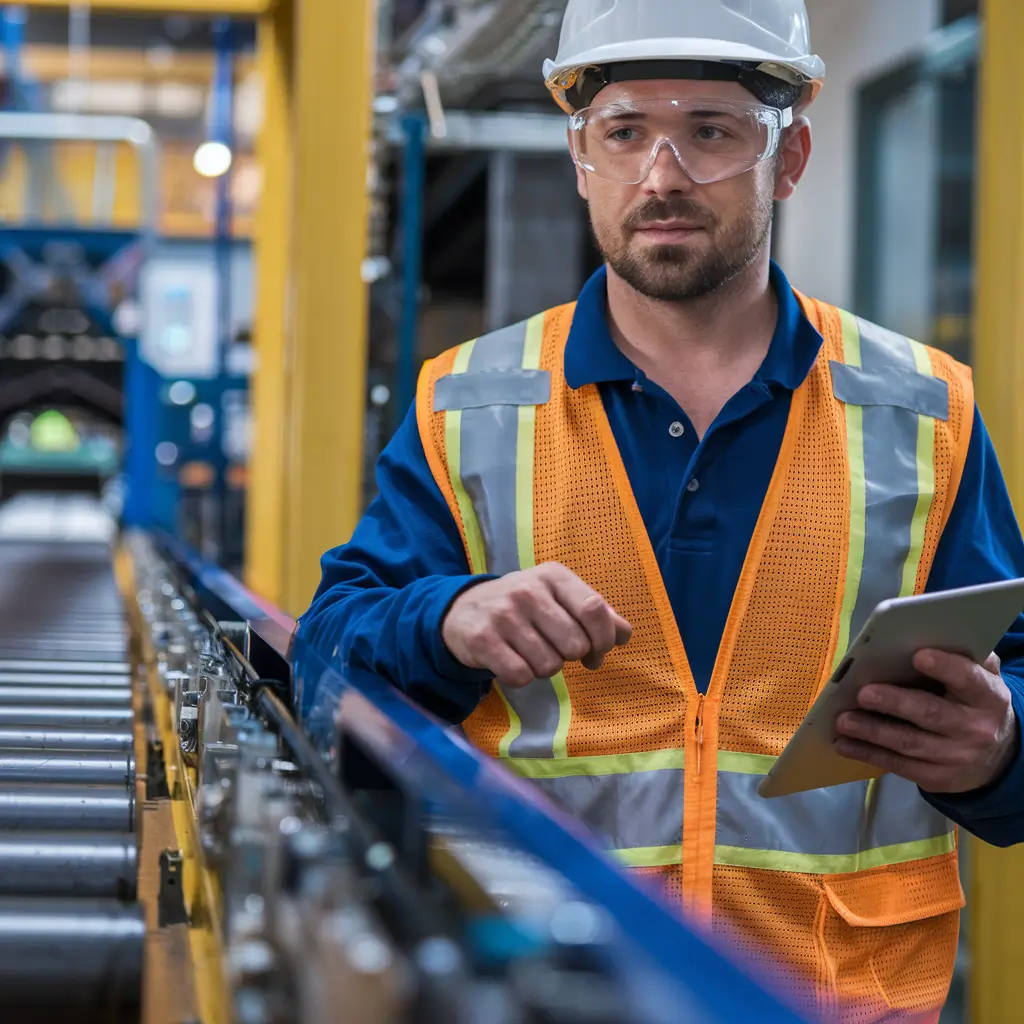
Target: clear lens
712,139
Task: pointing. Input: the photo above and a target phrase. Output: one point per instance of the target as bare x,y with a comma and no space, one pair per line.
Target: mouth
668,232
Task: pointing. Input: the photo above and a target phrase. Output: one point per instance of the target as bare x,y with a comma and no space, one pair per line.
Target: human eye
710,133
623,133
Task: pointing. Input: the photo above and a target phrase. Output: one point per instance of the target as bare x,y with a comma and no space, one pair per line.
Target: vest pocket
898,893
889,937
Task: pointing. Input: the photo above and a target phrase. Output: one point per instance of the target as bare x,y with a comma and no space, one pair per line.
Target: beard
677,273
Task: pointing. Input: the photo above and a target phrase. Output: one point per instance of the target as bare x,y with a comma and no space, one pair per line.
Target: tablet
970,621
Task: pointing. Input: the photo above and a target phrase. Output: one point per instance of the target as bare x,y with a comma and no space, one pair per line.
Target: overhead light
212,159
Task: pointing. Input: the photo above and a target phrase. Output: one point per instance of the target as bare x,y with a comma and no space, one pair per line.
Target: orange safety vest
852,892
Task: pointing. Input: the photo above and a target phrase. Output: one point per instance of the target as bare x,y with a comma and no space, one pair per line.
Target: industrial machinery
177,844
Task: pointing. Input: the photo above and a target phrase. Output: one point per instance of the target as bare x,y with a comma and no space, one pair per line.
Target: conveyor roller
70,960
78,768
72,937
42,805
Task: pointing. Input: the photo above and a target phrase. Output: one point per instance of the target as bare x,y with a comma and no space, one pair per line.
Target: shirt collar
592,357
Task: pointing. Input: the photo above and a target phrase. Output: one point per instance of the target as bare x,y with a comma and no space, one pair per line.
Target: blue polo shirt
383,596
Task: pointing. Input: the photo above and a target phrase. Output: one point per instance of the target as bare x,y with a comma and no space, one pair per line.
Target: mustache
675,208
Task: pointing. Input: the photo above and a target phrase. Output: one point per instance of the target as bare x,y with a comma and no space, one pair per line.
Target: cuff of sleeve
1002,797
443,662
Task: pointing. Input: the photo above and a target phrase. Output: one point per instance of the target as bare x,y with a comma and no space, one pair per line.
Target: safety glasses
712,139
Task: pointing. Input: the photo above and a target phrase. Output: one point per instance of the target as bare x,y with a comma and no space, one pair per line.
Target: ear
794,155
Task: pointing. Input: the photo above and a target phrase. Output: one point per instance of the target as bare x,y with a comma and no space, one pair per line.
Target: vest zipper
698,729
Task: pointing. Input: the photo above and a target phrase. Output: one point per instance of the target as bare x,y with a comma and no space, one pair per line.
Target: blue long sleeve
982,543
383,596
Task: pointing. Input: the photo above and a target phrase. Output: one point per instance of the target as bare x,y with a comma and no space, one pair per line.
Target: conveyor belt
71,935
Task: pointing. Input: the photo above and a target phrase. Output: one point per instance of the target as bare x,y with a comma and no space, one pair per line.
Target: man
626,542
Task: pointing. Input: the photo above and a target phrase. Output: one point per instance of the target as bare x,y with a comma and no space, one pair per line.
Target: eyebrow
621,110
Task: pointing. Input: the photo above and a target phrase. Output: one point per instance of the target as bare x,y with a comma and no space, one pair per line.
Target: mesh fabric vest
852,892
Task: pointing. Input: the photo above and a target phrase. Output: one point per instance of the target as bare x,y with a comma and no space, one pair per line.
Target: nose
666,175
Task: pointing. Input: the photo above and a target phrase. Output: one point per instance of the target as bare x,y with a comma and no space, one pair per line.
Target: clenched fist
528,624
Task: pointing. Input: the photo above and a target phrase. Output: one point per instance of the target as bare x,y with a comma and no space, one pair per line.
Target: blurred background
232,230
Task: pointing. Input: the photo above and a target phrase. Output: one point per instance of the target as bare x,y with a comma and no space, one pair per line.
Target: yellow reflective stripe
851,338
649,856
925,480
453,451
559,746
515,725
534,340
598,764
858,494
524,485
835,864
745,764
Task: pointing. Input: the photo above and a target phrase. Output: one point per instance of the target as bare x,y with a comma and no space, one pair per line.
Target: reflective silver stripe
492,387
841,820
890,477
489,441
641,809
927,396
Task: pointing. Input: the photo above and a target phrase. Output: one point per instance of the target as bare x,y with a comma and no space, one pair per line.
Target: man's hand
526,625
957,743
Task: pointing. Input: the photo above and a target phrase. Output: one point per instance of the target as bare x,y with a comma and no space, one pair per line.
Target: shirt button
677,429
693,486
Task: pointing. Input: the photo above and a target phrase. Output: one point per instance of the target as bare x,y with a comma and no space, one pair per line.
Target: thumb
623,630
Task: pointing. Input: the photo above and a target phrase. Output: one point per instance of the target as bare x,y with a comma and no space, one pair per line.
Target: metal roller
15,664
70,960
67,696
77,769
100,864
17,654
60,717
40,805
13,738
90,681
43,644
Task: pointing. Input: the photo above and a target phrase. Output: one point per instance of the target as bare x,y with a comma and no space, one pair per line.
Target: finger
905,740
925,710
921,773
559,628
964,680
587,607
623,629
993,664
543,659
508,667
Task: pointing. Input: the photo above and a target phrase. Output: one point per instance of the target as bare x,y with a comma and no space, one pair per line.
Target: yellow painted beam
232,7
997,897
54,63
264,540
333,99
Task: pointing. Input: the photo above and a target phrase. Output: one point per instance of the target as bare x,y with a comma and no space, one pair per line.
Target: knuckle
577,648
550,667
504,615
931,716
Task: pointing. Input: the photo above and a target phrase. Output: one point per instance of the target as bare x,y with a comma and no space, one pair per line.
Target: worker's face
672,239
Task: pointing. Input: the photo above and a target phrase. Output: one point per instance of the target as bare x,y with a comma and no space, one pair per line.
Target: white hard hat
770,36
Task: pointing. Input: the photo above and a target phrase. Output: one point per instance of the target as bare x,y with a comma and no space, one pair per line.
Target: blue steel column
414,172
222,130
12,27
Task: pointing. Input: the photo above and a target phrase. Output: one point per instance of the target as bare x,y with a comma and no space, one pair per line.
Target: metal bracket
171,901
156,771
